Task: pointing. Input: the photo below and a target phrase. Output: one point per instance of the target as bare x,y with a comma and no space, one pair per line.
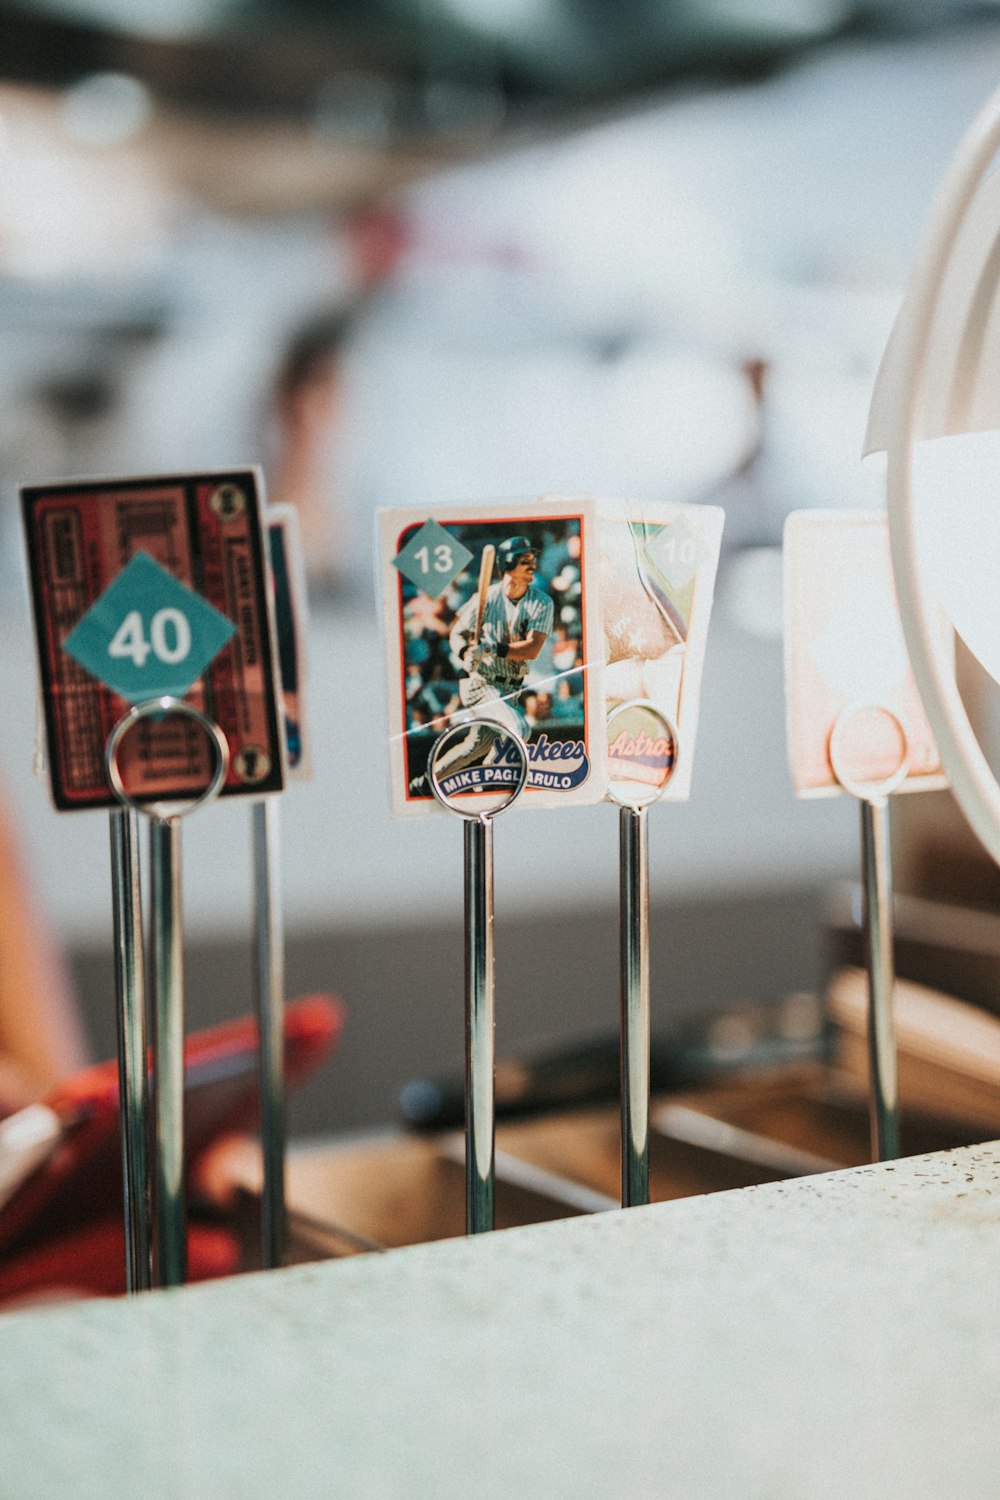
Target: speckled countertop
834,1336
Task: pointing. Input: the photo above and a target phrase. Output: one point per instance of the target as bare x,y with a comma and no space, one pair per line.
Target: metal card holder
459,766
160,1225
876,869
269,997
643,750
133,1077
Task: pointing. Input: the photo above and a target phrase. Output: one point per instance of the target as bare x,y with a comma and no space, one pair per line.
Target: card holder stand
636,780
133,1077
166,1245
476,743
269,1004
876,878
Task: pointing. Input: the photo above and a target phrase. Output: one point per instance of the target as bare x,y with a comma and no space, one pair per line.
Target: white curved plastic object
971,779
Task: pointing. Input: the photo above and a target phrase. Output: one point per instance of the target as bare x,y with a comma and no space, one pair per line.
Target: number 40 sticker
169,637
148,635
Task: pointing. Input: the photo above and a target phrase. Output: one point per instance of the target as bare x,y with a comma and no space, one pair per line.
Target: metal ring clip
450,740
866,791
642,793
158,707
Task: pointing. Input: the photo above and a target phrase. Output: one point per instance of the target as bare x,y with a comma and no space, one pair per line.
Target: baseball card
844,650
291,622
657,577
493,614
146,587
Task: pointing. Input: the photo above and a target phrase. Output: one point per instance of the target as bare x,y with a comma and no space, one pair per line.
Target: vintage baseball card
146,587
846,662
494,614
291,621
657,576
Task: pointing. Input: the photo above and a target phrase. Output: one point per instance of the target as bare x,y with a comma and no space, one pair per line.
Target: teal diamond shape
678,552
148,635
432,559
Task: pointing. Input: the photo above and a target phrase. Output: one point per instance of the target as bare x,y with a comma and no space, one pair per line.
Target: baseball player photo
488,619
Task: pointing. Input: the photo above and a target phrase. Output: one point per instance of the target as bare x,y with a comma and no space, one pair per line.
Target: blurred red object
90,1263
62,1228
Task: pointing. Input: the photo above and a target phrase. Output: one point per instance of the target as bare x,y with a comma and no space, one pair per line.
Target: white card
844,648
658,566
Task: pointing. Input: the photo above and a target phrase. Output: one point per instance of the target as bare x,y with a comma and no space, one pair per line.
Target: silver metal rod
133,1078
877,885
480,1027
634,917
270,1000
168,1054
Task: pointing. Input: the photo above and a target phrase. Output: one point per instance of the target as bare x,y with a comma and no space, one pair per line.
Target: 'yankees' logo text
556,765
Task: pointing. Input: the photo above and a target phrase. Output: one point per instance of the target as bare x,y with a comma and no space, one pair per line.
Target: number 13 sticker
432,559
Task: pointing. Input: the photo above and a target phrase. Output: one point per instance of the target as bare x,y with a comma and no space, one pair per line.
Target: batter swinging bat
486,563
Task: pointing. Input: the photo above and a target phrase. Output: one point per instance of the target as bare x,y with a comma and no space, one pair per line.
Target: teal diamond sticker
678,552
432,559
148,635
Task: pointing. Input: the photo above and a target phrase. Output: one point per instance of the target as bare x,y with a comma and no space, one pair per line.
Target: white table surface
834,1336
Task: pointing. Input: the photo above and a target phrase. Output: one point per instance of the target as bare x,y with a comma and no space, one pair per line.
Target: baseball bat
486,563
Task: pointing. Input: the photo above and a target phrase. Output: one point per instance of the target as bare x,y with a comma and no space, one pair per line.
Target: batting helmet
511,550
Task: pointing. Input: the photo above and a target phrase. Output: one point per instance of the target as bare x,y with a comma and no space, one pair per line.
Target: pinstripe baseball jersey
503,620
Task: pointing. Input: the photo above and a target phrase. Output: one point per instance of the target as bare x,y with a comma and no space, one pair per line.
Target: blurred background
409,251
